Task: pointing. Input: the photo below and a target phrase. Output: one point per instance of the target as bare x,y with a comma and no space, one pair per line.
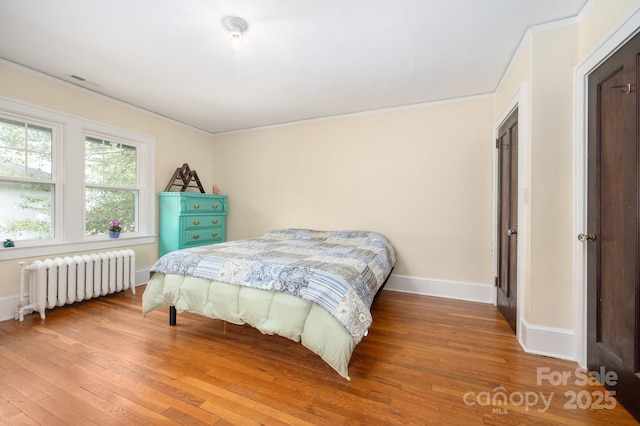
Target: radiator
62,281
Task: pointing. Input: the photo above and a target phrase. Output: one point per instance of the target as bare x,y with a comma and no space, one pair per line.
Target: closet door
507,282
613,288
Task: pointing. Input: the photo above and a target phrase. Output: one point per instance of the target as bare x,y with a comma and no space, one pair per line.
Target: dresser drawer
190,219
198,222
203,236
197,205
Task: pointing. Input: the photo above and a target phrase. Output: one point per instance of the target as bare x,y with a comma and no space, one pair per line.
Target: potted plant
114,229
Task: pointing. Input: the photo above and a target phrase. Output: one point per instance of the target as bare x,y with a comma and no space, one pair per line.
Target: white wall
554,56
421,176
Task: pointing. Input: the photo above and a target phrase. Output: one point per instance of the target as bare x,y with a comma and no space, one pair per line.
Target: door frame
518,100
628,29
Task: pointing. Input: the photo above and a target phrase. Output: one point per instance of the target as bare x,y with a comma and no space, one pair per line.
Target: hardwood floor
425,361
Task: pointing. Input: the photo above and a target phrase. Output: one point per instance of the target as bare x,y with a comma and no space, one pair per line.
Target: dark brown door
613,296
507,145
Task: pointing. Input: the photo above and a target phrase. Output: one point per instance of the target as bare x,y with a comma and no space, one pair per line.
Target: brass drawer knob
196,222
215,206
214,221
214,234
196,206
196,236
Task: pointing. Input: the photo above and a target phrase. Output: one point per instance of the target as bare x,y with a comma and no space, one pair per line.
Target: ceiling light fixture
236,26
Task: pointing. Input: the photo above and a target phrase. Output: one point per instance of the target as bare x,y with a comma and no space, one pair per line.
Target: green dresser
190,219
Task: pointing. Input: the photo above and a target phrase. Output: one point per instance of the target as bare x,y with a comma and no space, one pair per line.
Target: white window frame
70,186
57,137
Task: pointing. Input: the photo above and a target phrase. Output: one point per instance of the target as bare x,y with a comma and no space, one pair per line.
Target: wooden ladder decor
182,177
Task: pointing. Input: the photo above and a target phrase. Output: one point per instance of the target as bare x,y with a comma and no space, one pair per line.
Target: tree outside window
111,191
27,185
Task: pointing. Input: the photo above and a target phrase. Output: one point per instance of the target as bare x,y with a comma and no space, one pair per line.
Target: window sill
62,249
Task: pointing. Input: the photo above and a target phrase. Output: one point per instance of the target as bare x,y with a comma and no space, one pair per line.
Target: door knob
586,237
511,232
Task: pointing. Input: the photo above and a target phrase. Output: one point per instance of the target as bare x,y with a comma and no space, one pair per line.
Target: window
27,181
63,179
111,185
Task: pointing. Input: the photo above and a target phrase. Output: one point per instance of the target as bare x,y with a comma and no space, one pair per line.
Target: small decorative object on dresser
183,178
8,243
190,219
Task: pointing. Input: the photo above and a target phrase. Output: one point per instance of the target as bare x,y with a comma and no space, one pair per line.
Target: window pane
110,163
25,150
26,211
38,139
39,152
12,134
12,163
105,205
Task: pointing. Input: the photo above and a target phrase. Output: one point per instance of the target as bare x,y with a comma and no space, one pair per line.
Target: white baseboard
535,339
9,304
142,276
8,307
484,293
549,341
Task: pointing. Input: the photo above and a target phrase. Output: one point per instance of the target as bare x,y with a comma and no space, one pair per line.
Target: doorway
613,224
507,238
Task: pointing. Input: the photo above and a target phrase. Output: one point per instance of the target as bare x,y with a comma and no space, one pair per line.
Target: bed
313,287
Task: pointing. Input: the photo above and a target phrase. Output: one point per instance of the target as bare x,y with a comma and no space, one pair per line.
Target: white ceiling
299,59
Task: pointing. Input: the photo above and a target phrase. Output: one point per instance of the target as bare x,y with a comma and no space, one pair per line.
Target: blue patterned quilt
340,270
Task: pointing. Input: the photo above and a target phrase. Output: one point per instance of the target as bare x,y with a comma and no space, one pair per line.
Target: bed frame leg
172,315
